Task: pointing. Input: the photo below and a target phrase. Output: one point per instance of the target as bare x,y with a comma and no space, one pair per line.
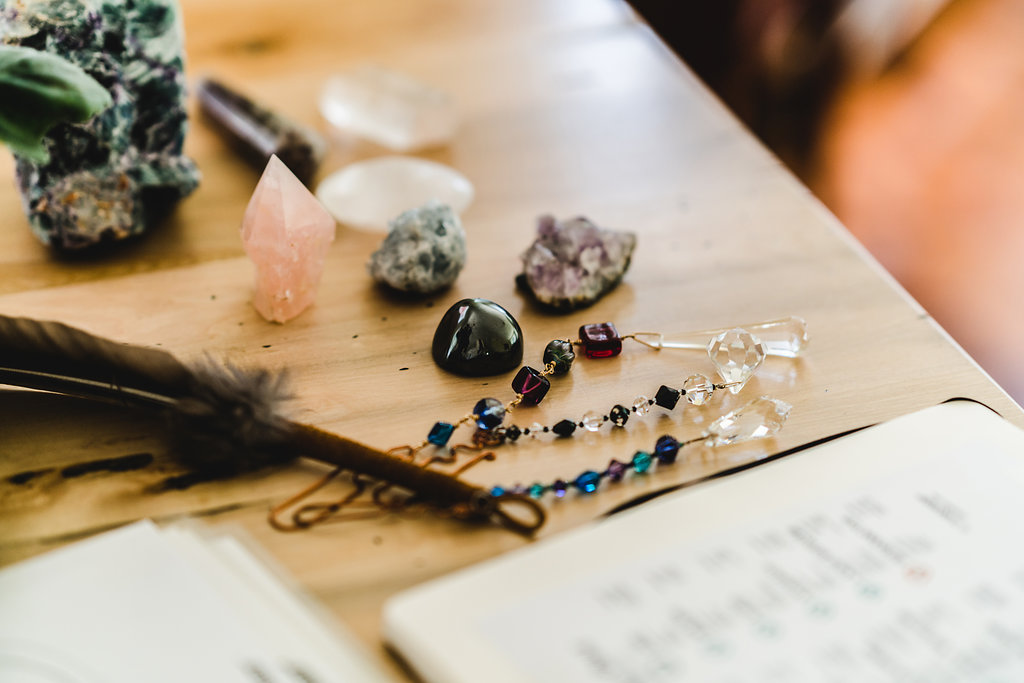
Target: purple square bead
600,340
531,384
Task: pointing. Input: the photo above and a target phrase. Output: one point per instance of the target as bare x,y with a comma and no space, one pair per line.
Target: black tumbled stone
477,337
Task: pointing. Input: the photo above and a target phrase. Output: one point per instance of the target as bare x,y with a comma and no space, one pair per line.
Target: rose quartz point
286,232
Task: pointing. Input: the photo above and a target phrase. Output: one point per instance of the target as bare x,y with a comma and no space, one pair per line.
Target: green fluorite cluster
114,175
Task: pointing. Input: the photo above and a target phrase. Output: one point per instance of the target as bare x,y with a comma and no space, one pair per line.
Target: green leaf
39,90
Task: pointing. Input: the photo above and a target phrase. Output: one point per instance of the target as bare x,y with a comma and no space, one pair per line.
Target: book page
916,576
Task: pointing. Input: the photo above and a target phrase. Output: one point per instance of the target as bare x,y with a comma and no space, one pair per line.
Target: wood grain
567,108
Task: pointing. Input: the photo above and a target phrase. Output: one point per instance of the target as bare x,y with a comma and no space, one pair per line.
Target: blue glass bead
641,462
588,481
489,413
559,487
537,490
440,433
497,491
666,449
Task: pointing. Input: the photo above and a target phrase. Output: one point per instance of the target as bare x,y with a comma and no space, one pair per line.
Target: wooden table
569,108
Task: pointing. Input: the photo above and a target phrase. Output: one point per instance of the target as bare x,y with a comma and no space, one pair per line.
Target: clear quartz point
786,337
698,389
737,354
760,418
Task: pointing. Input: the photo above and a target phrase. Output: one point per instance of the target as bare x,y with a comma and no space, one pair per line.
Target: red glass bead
600,340
531,384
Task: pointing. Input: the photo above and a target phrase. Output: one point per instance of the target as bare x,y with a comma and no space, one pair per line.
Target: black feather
222,419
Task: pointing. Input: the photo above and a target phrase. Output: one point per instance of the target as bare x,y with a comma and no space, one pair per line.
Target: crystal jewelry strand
735,353
761,418
697,389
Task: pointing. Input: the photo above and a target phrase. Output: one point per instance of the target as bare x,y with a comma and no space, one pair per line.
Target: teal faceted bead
641,461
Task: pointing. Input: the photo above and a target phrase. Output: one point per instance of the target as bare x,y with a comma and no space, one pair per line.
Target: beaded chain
599,340
760,418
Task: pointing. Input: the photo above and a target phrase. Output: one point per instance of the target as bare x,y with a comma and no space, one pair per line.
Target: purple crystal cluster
574,263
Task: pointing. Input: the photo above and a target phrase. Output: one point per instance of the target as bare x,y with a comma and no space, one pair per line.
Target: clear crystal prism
786,337
736,354
760,418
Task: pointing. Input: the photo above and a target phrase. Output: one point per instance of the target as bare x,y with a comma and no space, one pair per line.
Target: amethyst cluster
574,263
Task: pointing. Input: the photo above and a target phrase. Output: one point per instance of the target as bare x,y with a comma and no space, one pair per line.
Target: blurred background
906,117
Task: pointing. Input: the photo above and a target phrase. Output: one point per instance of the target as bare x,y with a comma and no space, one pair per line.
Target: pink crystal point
286,232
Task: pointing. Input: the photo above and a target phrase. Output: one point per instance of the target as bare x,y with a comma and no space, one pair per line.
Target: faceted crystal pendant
736,354
760,418
641,405
698,389
785,337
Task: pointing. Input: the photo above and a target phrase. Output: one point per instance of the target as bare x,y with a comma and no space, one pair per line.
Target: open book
887,555
162,605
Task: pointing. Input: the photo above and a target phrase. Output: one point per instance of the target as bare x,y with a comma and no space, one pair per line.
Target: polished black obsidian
477,337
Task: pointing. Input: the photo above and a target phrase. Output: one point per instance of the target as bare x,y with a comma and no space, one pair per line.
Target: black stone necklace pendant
477,337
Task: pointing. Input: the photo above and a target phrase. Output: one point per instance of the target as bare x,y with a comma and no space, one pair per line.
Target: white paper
138,604
917,577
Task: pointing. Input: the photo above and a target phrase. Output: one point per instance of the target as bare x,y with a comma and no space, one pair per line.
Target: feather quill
223,420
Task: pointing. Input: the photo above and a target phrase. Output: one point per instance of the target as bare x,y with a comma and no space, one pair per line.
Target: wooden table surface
569,107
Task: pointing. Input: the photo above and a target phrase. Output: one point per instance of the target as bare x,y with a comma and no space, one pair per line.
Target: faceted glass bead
592,421
666,448
641,462
641,405
564,428
497,492
736,354
619,415
489,413
600,340
559,487
531,385
536,429
760,418
440,433
615,470
587,482
537,490
518,490
512,433
667,397
559,352
699,389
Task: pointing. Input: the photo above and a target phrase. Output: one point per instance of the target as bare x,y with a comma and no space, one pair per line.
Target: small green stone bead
537,490
559,352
